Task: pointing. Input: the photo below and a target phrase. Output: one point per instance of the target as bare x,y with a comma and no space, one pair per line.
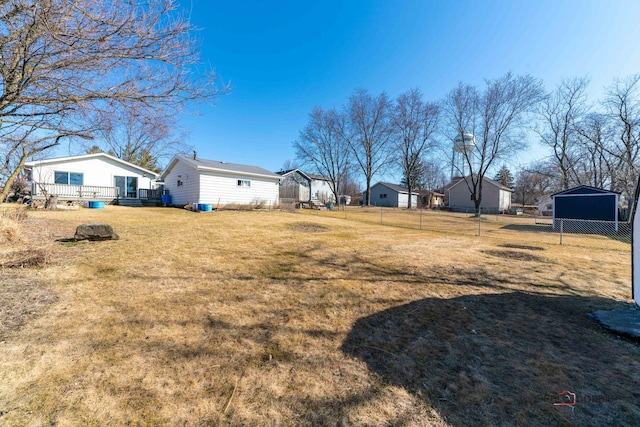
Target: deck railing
150,194
66,191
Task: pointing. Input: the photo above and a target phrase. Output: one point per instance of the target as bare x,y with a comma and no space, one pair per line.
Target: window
244,183
180,183
383,196
73,178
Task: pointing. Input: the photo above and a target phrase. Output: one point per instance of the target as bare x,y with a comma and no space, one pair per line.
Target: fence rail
529,228
613,229
66,191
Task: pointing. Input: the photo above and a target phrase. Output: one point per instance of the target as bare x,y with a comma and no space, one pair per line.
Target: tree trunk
7,185
51,203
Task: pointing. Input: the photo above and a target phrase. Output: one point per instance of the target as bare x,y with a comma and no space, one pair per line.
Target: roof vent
195,155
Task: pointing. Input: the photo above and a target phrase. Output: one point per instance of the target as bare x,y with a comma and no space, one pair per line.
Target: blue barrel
95,204
204,207
166,199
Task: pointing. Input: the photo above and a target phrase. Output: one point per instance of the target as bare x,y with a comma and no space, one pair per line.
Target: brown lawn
277,318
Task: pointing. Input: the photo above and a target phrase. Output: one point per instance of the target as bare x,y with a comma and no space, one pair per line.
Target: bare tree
496,118
533,182
289,165
622,104
414,123
146,139
433,174
61,58
596,165
560,112
321,146
367,129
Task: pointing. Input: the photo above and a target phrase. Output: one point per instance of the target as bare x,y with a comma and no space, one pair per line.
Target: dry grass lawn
277,318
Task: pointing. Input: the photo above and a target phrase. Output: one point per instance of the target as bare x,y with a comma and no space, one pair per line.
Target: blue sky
284,57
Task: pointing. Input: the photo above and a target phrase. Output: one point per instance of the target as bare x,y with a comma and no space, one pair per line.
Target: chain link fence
472,223
567,228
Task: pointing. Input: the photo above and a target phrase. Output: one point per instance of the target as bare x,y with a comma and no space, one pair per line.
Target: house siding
393,198
321,190
494,199
390,200
189,191
96,171
223,189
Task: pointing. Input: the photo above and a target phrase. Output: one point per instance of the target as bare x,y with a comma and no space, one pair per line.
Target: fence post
479,219
345,211
380,214
561,227
420,218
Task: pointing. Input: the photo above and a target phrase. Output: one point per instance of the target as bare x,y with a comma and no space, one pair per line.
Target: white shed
194,180
392,195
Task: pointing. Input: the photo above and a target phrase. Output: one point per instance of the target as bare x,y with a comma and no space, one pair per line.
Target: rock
95,231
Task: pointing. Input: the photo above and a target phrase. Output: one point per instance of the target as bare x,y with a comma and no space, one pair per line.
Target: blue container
95,205
204,207
166,199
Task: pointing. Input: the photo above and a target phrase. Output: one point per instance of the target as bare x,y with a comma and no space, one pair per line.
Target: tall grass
11,219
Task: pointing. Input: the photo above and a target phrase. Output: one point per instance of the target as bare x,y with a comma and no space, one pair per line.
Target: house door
127,186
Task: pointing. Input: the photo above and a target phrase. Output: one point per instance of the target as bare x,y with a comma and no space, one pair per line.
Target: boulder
95,231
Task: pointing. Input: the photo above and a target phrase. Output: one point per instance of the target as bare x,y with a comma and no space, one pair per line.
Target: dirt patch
525,247
520,256
308,227
22,299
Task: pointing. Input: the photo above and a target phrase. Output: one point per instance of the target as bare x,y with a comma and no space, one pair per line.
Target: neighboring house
431,199
194,180
305,187
321,189
392,195
581,204
98,176
496,197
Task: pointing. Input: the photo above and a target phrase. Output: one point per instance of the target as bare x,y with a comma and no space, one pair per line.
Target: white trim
237,172
609,193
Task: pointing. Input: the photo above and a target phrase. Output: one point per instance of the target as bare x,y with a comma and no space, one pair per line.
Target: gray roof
203,164
395,187
308,175
458,179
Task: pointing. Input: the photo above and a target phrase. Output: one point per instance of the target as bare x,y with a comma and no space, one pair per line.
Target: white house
392,195
321,188
194,180
495,196
98,176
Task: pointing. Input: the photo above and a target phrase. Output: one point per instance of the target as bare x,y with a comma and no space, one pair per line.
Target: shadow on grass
539,228
501,359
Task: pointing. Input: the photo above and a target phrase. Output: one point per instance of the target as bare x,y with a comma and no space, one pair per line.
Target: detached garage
585,203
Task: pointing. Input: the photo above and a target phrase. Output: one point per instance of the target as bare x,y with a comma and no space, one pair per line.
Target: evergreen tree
504,177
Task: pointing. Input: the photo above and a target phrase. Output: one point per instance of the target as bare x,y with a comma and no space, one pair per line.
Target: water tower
462,145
